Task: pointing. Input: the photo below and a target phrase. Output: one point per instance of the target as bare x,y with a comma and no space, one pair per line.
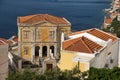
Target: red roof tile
9,42
3,41
102,35
81,44
108,20
31,19
91,45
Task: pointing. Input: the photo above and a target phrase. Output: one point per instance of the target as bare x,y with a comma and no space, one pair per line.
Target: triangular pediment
32,19
45,23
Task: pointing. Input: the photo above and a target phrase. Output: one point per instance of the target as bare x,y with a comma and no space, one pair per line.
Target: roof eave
28,24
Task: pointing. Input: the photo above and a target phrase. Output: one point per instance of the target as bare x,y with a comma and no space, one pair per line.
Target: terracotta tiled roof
98,33
31,19
102,35
67,43
108,20
9,42
91,45
81,44
3,41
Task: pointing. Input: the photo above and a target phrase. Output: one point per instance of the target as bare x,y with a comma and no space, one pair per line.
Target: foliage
56,74
104,74
75,74
106,29
113,28
116,26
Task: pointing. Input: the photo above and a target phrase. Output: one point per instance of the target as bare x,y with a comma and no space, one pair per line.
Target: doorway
37,48
49,67
44,51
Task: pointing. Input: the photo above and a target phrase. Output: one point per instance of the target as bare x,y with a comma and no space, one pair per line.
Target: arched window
37,50
44,51
52,49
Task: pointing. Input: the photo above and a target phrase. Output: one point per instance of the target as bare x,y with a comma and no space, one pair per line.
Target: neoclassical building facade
39,38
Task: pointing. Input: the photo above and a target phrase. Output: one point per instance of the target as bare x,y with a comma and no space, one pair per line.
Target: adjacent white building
3,60
91,48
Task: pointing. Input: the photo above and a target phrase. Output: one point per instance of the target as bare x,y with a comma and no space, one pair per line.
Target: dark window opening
52,49
111,60
49,67
109,53
37,50
106,65
44,51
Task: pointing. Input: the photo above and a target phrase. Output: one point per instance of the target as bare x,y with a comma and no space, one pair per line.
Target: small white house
91,48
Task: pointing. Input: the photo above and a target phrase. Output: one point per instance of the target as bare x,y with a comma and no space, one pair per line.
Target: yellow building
40,37
69,61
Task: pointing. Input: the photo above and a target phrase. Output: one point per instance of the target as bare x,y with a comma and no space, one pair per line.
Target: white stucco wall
114,49
104,57
99,60
3,61
119,55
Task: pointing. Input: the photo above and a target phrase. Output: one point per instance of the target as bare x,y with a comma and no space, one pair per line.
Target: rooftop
9,41
81,44
37,18
95,32
102,35
108,20
3,41
88,41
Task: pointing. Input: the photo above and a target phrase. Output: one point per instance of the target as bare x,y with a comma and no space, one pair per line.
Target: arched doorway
52,49
37,48
44,51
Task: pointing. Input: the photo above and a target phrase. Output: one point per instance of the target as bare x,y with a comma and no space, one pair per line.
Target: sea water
83,14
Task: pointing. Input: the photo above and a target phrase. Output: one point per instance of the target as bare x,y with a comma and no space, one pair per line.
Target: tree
56,74
104,74
116,26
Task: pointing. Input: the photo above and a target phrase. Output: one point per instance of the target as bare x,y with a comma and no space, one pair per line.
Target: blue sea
83,14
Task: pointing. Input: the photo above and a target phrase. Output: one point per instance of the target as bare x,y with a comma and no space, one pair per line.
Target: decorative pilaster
33,52
40,51
48,51
55,51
